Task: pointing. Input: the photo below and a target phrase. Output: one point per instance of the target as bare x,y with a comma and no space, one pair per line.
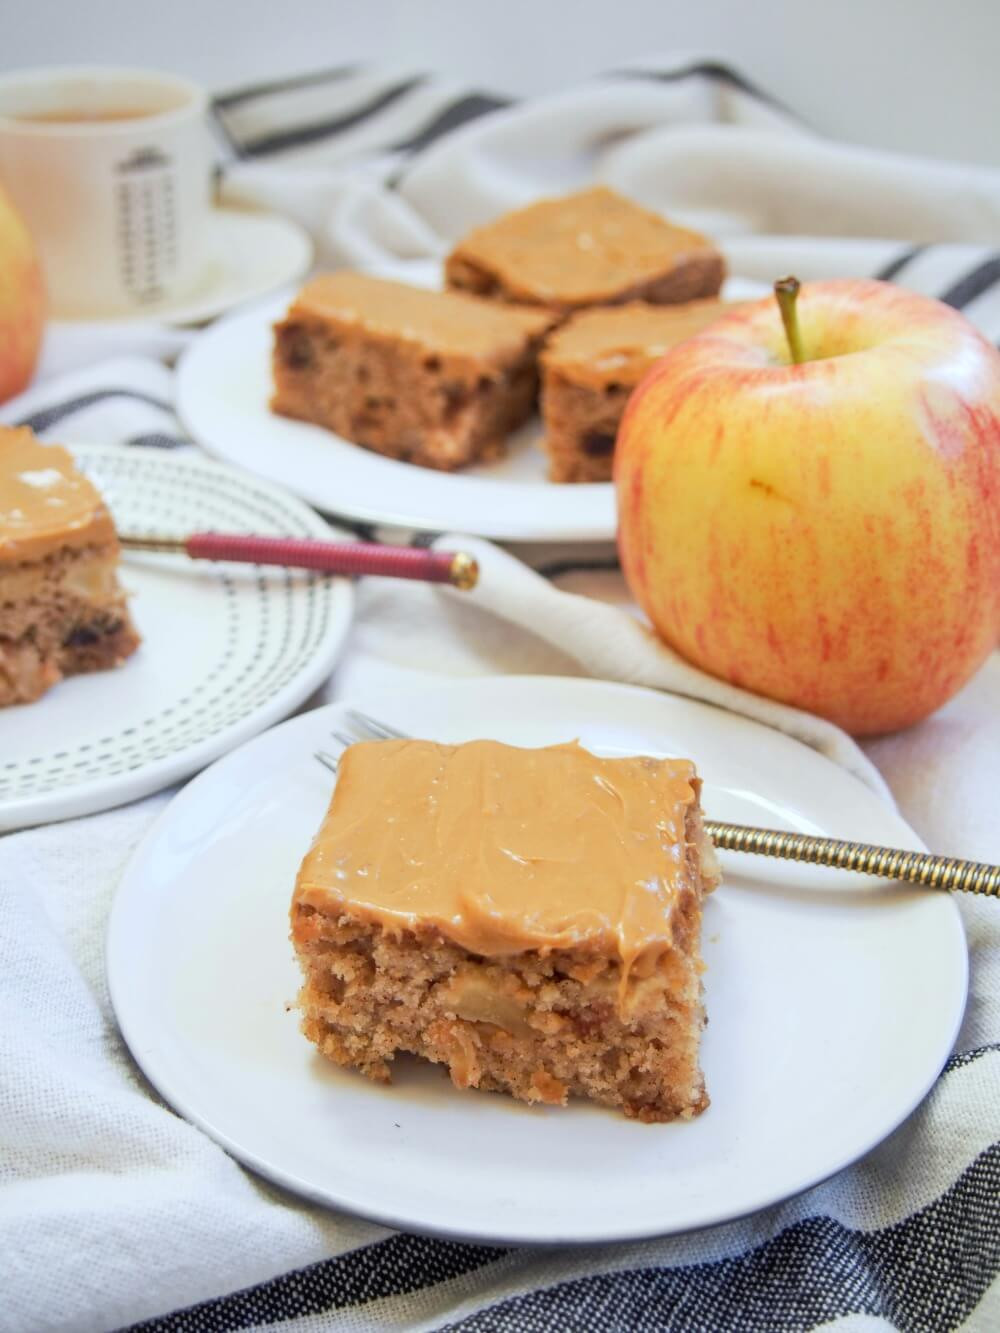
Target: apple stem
786,290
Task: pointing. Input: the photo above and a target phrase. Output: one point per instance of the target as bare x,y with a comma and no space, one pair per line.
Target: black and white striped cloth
392,167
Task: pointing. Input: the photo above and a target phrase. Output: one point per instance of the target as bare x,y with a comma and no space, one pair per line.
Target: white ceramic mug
110,170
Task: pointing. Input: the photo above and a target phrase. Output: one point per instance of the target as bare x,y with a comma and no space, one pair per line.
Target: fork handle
397,562
938,872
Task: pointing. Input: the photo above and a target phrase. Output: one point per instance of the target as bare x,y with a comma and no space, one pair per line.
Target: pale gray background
917,75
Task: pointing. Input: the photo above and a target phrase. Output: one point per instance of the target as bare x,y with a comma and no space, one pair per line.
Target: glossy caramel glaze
504,850
445,322
45,503
580,248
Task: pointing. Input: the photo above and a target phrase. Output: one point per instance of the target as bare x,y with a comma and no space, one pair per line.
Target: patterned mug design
147,222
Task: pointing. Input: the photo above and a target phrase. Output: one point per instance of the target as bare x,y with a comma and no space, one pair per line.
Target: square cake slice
590,366
434,378
591,248
62,611
528,918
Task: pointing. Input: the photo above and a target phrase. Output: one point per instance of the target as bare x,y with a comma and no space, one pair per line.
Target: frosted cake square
62,610
590,367
433,378
591,248
528,918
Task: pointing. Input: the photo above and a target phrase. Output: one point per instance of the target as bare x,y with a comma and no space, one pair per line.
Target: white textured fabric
611,643
112,1209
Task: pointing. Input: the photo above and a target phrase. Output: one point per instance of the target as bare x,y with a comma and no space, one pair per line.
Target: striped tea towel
112,1209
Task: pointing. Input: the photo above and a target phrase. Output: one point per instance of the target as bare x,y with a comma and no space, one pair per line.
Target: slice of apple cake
62,610
529,918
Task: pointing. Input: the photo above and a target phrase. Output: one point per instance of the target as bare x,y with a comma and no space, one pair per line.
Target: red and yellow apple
22,303
825,532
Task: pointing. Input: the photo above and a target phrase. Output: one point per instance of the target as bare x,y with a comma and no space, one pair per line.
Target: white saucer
833,1000
226,649
223,390
250,255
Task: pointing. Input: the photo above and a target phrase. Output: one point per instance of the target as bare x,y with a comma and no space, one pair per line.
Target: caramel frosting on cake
622,342
580,247
451,322
504,850
45,503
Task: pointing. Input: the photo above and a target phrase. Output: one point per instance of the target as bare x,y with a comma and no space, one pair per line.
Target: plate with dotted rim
226,649
833,1000
223,388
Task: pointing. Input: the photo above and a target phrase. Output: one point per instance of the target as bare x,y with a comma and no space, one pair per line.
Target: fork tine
368,726
371,726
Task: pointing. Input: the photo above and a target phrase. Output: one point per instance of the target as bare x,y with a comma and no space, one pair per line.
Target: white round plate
226,649
249,255
223,388
833,1001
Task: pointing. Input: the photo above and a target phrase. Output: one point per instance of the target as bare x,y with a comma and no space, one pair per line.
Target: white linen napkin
610,642
112,1208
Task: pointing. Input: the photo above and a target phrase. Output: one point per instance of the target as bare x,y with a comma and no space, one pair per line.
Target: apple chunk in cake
62,611
528,918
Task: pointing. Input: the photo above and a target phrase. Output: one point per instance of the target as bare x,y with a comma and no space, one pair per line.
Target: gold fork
936,872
